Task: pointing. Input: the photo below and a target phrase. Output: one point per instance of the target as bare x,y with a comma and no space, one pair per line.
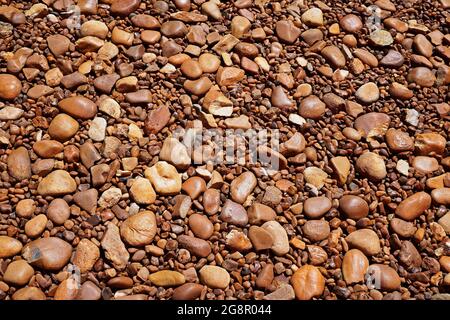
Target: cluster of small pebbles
99,200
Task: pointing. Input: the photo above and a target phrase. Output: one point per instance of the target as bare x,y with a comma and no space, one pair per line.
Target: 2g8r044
246,309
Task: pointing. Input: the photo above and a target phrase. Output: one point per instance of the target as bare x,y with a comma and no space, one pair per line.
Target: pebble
9,247
229,76
279,98
240,26
78,107
35,226
234,213
63,127
19,164
413,206
18,273
409,256
58,44
25,208
441,196
311,107
142,191
211,201
191,69
201,226
114,248
209,63
372,166
393,59
316,207
334,56
308,282
381,38
164,178
50,254
421,76
260,238
429,144
29,293
341,167
214,277
198,87
423,46
139,229
97,129
351,23
176,153
167,278
58,182
315,176
368,93
58,211
47,148
313,17
124,7
196,246
389,279
237,241
86,255
187,291
280,244
425,164
174,29
365,240
403,228
354,207
316,230
10,86
287,31
354,266
242,186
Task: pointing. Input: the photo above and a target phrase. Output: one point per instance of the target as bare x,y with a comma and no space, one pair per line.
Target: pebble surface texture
93,178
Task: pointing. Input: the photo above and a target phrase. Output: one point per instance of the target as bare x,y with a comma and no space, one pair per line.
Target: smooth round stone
35,226
120,282
58,211
372,124
167,278
10,86
368,93
211,201
19,164
234,213
67,290
413,206
176,153
25,208
145,21
365,240
209,63
9,247
312,17
311,36
198,87
280,238
94,28
57,183
354,207
139,229
403,228
58,44
279,98
191,69
316,207
392,59
351,23
308,282
425,164
260,238
195,246
164,178
287,31
243,186
441,196
214,277
366,57
78,107
399,91
201,226
422,45
245,49
354,266
429,143
89,291
421,76
50,254
187,291
194,187
29,293
63,127
124,7
18,273
240,26
389,279
48,148
444,261
381,38
372,166
174,29
312,107
184,5
316,230
259,213
150,36
334,56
